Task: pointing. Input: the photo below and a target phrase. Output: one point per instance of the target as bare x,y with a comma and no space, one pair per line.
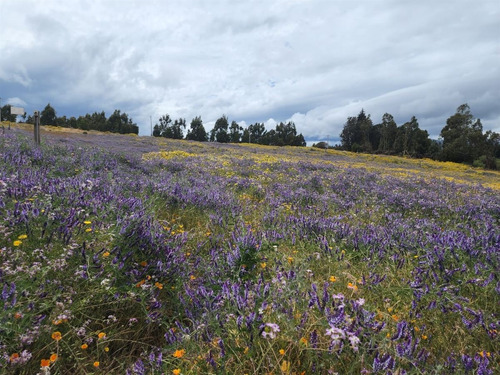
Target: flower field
134,255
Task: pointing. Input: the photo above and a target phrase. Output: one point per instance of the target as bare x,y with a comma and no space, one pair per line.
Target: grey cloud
316,62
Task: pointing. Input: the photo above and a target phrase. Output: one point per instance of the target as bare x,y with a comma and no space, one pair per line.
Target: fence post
37,128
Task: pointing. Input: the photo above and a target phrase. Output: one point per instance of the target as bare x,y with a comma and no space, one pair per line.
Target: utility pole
37,127
151,123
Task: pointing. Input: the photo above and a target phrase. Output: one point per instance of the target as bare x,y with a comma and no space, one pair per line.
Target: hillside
148,255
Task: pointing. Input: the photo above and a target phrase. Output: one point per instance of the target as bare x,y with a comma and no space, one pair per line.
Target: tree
62,121
156,131
120,123
165,122
463,139
350,137
6,115
169,129
411,140
197,131
48,116
254,133
235,132
72,122
365,126
388,131
219,131
355,135
285,134
176,130
98,121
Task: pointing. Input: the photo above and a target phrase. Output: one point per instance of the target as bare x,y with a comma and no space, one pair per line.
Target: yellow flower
333,279
17,243
263,264
290,260
101,335
176,371
106,254
88,230
96,364
192,277
84,346
14,357
106,349
56,336
53,357
179,353
159,285
303,340
22,237
246,350
285,366
87,222
395,317
282,351
484,353
424,337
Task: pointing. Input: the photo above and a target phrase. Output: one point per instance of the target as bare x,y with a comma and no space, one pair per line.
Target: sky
313,62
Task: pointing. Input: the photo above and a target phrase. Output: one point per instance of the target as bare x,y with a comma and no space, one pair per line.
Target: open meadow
139,255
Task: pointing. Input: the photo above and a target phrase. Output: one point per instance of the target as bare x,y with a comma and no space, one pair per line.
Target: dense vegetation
284,134
146,255
116,123
461,140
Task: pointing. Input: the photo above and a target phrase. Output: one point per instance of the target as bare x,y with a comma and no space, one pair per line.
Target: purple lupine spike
383,362
5,292
313,338
249,320
325,298
402,327
139,368
483,362
467,362
211,360
222,348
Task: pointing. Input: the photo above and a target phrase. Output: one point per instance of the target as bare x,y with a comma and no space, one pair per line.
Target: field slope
125,254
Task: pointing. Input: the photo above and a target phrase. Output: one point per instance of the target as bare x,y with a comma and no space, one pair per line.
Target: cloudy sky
315,62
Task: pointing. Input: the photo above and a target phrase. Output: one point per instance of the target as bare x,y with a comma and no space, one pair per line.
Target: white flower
335,333
354,340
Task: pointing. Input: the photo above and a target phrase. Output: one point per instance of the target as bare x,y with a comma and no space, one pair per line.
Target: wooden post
37,128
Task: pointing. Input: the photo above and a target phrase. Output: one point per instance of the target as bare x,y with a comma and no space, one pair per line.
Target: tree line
118,122
284,134
461,140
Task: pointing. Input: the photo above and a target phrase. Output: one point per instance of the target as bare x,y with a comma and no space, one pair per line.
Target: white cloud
16,102
315,62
